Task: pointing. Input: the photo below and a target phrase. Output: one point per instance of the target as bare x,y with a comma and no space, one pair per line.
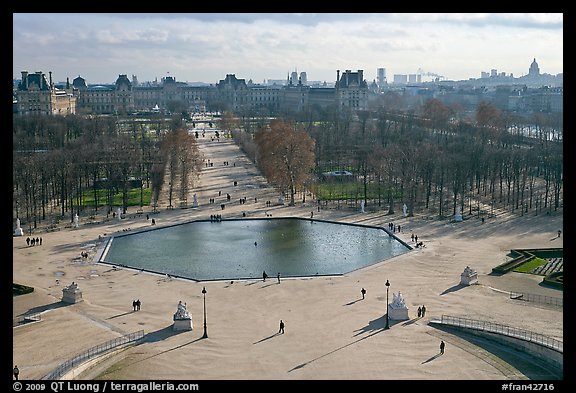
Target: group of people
393,227
33,241
136,305
415,239
215,217
421,311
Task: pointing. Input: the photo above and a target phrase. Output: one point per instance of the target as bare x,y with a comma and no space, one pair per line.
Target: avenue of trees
434,158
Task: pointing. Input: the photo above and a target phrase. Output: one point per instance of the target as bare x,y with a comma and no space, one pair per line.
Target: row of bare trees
58,161
428,160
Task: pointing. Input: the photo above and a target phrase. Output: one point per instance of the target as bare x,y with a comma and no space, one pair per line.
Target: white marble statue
181,311
71,293
404,209
18,231
76,220
458,215
469,276
195,201
362,206
397,300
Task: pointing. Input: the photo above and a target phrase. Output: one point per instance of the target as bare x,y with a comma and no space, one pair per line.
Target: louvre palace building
35,94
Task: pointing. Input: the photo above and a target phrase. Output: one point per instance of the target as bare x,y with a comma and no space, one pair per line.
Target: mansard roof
232,81
123,80
79,83
37,79
349,79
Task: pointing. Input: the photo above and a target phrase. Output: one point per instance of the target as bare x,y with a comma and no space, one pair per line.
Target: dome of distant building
534,69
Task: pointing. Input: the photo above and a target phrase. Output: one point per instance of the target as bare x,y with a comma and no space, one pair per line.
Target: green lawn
532,264
133,197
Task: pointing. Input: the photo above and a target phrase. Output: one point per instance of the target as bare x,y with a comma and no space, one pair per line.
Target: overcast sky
205,47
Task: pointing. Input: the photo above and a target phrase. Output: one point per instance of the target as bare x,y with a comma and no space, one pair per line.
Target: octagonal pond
244,248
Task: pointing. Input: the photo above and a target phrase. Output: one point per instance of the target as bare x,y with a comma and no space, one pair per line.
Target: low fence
93,352
504,330
530,297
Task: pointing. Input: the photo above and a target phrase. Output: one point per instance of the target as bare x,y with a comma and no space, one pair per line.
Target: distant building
304,78
400,79
351,90
381,77
37,96
534,70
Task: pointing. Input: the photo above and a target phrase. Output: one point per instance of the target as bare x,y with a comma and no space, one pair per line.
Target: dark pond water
239,249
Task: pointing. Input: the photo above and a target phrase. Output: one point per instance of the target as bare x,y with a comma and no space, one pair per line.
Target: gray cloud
207,46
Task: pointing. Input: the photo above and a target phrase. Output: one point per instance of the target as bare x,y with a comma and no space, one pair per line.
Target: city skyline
205,47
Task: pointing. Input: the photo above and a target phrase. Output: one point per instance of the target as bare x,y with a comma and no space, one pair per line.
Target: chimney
337,77
347,75
360,77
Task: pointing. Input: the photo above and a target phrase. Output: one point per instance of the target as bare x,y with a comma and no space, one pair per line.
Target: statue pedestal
72,294
469,276
398,314
182,324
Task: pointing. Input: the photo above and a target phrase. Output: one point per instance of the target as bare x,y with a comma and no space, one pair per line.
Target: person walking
363,291
264,276
419,311
138,305
134,305
423,311
442,345
281,330
16,372
278,278
559,233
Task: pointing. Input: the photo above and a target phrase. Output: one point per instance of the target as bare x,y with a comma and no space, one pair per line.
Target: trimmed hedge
19,289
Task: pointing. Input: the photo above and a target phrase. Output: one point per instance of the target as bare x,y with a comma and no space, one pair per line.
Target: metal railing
22,319
92,353
530,297
509,331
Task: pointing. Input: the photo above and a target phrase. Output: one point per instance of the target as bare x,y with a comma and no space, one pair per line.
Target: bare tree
286,154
